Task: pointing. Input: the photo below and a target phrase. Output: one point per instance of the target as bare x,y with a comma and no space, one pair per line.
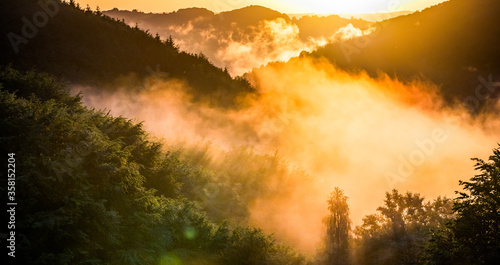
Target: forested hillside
453,44
244,38
95,189
86,47
310,26
263,170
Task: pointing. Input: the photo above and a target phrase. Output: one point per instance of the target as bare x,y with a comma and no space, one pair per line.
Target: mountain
240,39
201,17
372,17
89,48
453,44
197,19
318,26
98,189
250,15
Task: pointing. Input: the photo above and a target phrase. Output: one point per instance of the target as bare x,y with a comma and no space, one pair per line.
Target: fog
362,134
242,43
240,50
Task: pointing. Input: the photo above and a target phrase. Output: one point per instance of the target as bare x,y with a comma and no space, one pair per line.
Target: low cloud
365,135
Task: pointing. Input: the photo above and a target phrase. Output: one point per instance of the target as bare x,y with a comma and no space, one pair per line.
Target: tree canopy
95,189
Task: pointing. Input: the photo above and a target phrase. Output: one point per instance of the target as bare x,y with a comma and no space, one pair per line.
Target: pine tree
338,227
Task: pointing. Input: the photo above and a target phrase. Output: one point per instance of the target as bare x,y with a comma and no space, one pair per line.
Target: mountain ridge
115,50
452,44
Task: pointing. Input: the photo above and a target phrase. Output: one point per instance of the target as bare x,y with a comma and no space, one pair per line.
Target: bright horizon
290,6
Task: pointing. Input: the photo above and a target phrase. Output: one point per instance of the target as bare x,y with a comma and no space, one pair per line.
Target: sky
284,6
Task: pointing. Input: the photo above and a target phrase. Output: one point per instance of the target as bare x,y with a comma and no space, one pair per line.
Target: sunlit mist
251,132
362,134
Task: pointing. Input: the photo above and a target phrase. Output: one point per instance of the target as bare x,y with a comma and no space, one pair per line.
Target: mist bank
365,135
242,39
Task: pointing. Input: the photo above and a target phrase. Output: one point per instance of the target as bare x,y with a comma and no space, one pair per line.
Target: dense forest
96,189
93,188
62,47
408,230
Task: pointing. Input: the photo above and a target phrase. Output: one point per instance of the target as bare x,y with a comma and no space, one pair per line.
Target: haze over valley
250,136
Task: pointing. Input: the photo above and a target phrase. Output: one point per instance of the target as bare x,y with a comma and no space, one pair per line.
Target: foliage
401,229
239,177
338,228
95,190
474,237
90,48
422,45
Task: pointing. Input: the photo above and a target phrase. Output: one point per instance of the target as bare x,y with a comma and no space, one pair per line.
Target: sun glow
285,6
358,6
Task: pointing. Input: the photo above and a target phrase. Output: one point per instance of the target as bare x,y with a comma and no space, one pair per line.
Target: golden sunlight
255,132
357,6
285,6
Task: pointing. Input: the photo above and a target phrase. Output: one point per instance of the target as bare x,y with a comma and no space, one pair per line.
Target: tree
338,227
478,208
401,229
101,192
475,234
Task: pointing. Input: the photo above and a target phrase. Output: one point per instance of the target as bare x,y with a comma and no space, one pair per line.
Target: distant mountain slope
200,17
317,27
372,17
250,15
454,44
243,38
89,48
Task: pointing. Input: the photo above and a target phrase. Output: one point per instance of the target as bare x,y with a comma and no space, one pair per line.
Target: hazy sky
285,6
